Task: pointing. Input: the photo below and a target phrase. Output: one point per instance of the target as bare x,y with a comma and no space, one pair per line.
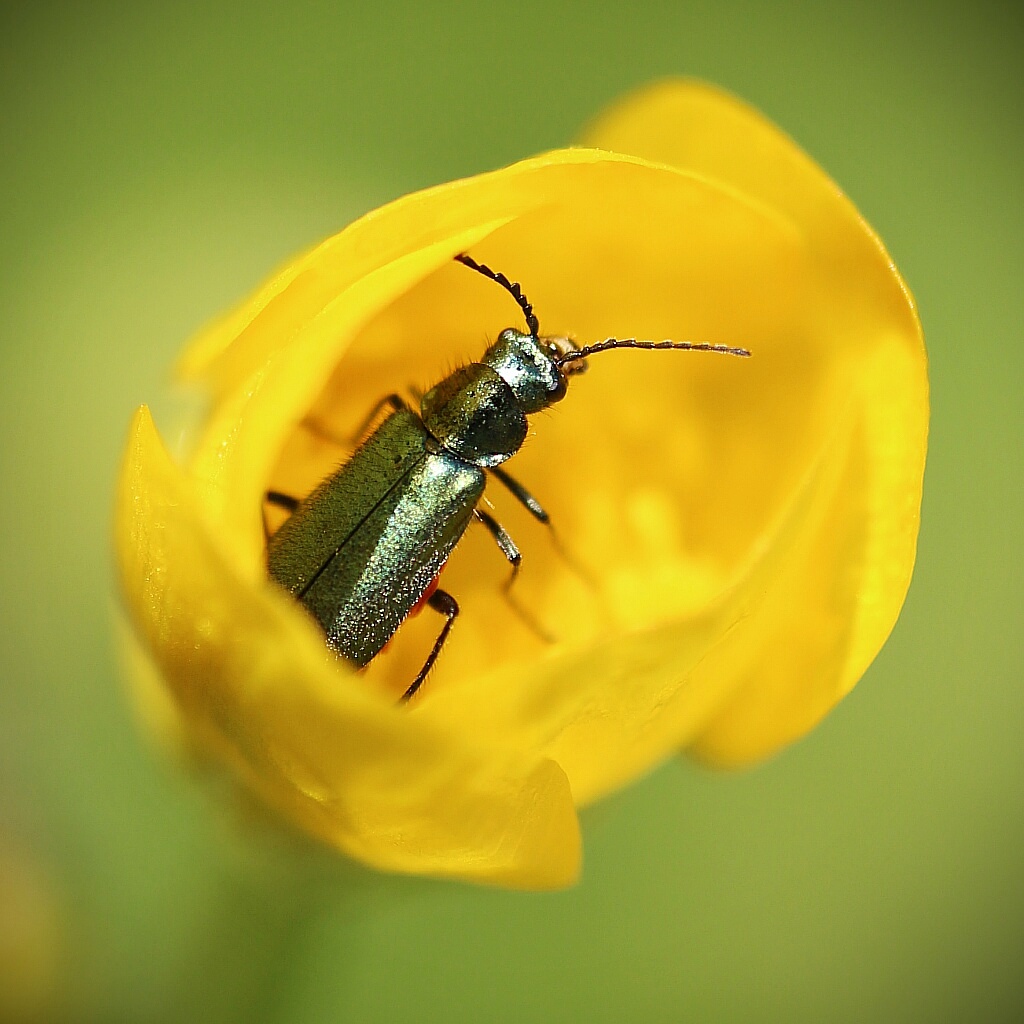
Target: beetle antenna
603,346
512,287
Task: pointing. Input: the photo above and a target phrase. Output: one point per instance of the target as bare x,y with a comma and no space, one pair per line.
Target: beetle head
532,367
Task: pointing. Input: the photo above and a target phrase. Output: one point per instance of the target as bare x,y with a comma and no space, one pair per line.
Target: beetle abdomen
365,546
388,563
325,520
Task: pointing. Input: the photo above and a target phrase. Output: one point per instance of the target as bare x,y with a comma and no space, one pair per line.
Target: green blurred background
158,160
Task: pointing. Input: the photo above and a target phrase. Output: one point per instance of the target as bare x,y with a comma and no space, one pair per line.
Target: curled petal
260,695
833,611
734,537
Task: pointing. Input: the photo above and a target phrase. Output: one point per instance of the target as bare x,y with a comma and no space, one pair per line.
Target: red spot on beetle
419,605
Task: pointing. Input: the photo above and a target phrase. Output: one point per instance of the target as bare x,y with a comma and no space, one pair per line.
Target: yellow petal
735,536
262,697
833,612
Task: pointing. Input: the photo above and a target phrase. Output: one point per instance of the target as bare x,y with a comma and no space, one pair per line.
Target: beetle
365,548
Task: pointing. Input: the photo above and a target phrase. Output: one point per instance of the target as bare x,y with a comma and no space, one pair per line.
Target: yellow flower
735,537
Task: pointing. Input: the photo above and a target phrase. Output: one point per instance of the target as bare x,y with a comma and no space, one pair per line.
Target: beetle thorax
479,412
474,414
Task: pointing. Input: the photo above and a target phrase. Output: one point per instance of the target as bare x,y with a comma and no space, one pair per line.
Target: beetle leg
534,507
285,501
443,602
394,400
515,559
504,541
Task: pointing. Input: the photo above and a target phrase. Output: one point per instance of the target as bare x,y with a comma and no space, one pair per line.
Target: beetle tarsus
443,602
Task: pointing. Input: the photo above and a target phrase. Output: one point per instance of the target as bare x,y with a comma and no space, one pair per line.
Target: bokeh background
156,162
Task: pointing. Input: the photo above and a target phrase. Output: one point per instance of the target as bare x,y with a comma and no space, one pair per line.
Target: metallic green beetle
364,549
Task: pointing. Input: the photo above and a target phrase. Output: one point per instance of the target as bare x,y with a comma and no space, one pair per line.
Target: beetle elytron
365,548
